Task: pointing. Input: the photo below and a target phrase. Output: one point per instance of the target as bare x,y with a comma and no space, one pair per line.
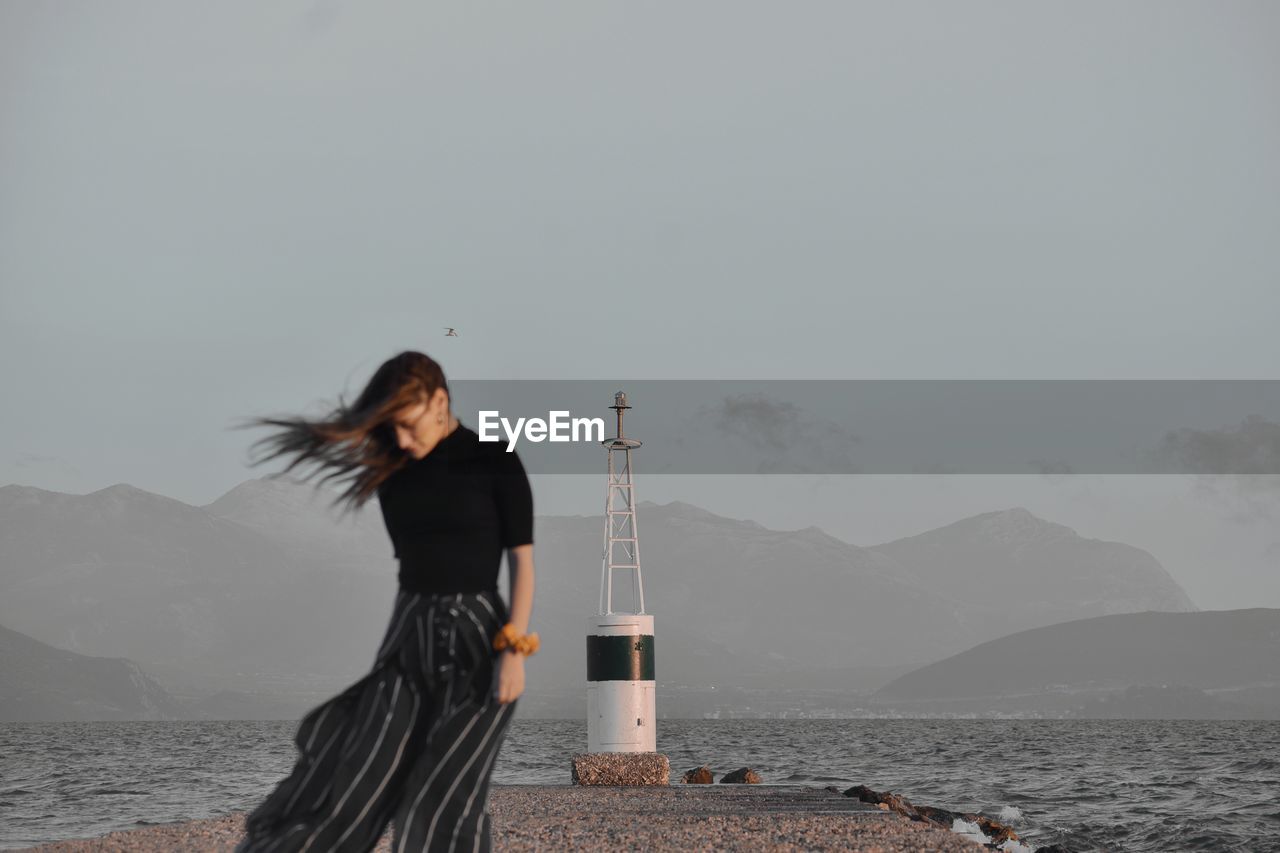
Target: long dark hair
355,436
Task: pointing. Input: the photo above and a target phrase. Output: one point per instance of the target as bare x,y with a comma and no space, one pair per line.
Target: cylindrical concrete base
621,703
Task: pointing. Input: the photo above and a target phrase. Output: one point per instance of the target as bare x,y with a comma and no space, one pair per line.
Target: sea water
1137,785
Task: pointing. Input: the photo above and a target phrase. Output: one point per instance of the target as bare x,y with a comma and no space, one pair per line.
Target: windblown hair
355,437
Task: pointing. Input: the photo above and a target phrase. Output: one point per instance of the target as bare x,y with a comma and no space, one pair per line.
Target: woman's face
420,426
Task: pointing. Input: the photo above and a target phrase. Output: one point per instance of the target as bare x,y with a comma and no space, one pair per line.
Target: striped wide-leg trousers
413,742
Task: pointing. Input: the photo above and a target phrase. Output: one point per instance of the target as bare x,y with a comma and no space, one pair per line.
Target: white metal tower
621,705
621,542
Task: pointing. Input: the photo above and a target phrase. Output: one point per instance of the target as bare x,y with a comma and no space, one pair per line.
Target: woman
414,741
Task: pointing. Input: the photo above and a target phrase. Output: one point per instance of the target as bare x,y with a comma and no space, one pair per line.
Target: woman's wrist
512,640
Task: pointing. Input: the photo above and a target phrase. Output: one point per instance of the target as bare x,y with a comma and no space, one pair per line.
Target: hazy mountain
41,683
185,592
1200,663
1017,571
304,518
265,589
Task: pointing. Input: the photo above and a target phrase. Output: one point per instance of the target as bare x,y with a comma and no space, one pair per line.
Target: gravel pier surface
600,817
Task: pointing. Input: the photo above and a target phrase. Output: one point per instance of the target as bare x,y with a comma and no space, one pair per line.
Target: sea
1140,785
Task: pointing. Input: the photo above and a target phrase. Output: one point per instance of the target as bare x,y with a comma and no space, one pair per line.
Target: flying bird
450,333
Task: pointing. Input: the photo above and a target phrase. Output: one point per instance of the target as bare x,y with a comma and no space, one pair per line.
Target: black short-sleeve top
451,513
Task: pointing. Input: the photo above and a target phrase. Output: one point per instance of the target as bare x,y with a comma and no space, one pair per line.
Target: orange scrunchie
508,639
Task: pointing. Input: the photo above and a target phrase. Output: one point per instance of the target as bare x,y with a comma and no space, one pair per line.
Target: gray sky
209,211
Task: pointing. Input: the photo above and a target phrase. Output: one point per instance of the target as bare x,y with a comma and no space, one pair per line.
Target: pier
604,817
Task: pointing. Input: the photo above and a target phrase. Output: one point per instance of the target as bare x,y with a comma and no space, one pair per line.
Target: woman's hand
508,676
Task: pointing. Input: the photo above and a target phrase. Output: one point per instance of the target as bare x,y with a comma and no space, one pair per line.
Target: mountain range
266,591
1207,664
40,682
